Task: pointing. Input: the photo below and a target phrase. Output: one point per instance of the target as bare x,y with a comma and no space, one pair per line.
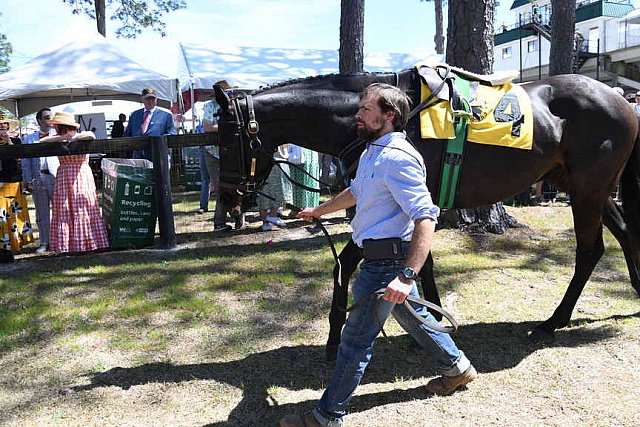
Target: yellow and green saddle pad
501,115
498,115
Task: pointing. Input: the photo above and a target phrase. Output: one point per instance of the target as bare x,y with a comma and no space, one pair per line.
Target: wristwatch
409,273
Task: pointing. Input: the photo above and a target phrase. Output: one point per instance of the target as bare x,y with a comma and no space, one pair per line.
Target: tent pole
193,109
15,109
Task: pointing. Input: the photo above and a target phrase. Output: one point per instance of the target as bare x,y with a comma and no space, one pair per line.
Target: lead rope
317,221
377,294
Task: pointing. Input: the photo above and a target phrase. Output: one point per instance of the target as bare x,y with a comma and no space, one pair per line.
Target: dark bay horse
585,140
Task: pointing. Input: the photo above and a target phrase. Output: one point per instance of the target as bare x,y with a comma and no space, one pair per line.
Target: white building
607,44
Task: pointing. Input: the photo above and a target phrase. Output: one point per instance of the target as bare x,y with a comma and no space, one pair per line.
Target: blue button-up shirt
390,190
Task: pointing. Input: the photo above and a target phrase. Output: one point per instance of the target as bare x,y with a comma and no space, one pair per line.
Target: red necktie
145,121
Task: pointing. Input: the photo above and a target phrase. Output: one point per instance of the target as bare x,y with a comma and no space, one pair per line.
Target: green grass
83,293
218,330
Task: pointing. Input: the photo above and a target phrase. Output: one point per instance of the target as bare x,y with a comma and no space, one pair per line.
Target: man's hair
40,111
391,98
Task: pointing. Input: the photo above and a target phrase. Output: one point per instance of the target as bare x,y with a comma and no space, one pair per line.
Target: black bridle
248,127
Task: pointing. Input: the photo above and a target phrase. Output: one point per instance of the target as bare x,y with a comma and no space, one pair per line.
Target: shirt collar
385,139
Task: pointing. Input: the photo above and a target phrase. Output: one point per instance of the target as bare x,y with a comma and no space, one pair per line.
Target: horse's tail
630,190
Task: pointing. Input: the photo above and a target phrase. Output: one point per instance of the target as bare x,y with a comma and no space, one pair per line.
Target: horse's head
316,112
245,162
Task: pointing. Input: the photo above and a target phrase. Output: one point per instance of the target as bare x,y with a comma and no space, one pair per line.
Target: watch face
409,273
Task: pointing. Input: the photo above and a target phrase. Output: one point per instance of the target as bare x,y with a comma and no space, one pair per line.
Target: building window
532,46
506,52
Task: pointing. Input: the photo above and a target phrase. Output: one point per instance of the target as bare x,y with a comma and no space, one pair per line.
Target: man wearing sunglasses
39,177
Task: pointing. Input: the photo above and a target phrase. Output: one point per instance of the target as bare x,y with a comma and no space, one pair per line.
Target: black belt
384,249
45,171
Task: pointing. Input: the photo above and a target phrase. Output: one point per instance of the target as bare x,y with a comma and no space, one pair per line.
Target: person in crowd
535,12
578,40
394,226
212,158
277,186
76,223
117,131
205,178
15,226
39,177
325,168
149,121
636,105
306,172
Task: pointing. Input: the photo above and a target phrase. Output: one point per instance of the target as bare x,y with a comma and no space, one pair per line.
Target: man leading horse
394,227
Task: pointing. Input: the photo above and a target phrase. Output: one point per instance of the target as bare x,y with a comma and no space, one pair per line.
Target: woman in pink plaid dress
76,222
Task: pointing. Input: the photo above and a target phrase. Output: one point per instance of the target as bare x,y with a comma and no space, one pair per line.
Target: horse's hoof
540,336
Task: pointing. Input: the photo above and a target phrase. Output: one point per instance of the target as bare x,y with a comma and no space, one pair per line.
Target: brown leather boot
294,420
444,385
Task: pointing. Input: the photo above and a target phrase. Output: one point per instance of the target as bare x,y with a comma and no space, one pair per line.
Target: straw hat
224,85
62,118
13,123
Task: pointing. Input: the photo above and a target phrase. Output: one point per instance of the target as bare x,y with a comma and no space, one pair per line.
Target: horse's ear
221,97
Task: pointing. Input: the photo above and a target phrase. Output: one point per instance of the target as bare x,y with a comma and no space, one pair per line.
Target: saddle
498,111
458,106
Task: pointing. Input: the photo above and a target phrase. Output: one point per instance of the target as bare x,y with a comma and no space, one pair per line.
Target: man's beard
370,134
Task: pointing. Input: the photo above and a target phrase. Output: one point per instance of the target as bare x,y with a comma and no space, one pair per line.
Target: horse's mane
301,80
347,82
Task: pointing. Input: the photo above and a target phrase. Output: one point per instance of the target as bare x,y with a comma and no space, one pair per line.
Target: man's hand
308,214
398,289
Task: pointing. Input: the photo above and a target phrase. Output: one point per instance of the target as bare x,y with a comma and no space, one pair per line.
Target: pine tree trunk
563,23
351,36
100,17
439,37
470,35
470,46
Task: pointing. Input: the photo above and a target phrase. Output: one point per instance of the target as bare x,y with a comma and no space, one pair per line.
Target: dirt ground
213,374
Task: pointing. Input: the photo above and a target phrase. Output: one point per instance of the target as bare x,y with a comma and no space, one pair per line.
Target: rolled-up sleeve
407,184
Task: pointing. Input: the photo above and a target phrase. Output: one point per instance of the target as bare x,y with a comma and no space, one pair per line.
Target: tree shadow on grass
491,347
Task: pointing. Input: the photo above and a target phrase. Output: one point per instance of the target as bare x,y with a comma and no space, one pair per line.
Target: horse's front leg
349,257
590,248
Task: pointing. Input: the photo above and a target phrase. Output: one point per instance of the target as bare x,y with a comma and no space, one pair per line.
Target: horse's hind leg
613,219
590,247
429,288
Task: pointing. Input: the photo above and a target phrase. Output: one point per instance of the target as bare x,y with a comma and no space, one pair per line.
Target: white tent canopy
252,67
83,70
632,17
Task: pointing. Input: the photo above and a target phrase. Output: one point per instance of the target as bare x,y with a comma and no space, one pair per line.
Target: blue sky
403,26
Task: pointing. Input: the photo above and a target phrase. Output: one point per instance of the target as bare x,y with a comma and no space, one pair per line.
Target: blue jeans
361,330
204,181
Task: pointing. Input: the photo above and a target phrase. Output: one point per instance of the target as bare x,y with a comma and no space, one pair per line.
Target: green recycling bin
191,168
129,202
